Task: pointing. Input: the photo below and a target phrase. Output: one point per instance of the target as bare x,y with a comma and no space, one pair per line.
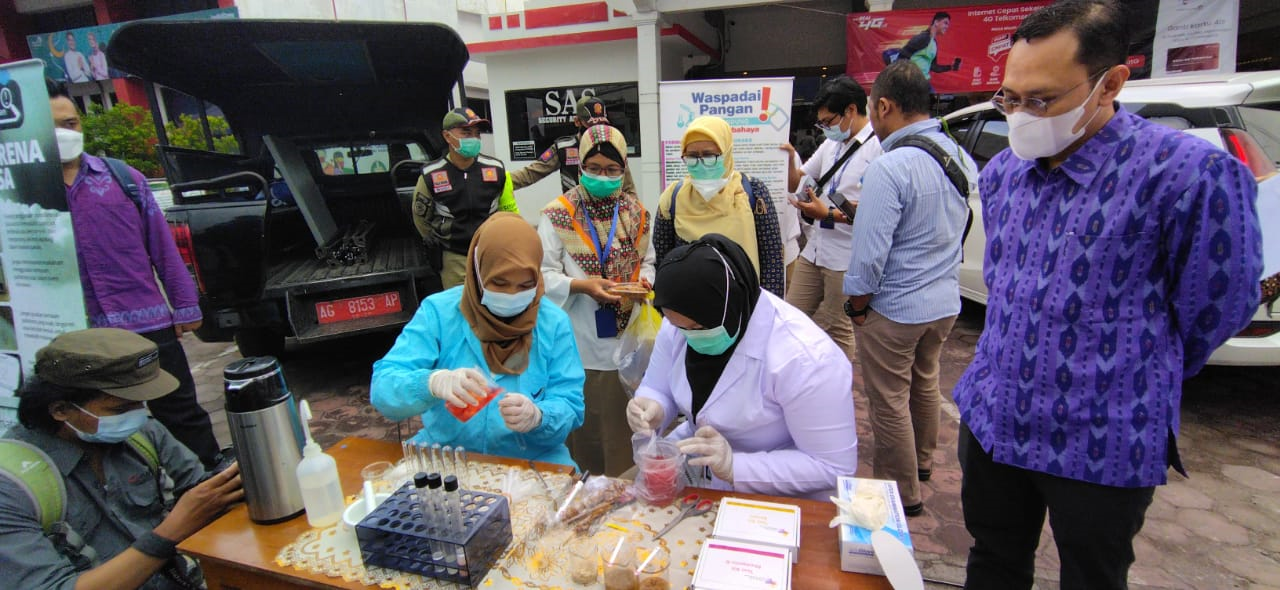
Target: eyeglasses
827,123
1035,106
611,171
704,160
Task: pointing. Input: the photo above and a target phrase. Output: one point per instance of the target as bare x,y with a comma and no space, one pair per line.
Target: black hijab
691,281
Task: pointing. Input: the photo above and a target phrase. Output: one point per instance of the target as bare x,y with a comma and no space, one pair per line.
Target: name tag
571,156
489,174
606,323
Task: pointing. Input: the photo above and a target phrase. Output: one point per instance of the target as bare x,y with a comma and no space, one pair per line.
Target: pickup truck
306,235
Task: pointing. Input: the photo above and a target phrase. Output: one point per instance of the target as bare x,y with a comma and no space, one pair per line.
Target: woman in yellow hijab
715,198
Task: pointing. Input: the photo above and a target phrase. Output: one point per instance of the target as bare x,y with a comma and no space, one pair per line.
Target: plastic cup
379,473
584,561
619,565
651,573
658,480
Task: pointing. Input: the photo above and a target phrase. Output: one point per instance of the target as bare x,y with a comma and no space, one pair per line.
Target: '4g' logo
870,22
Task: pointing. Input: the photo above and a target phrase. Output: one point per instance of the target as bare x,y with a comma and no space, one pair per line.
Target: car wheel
259,342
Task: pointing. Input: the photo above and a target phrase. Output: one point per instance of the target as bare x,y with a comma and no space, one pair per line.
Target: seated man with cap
84,417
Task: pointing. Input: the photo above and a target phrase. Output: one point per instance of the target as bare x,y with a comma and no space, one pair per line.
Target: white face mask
1032,137
70,144
709,188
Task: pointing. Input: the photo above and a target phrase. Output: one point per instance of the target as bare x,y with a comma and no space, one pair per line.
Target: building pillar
13,28
648,180
128,90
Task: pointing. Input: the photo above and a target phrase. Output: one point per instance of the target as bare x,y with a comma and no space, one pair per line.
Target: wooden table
238,554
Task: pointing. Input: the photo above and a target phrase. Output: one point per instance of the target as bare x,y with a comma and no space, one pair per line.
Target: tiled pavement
1220,529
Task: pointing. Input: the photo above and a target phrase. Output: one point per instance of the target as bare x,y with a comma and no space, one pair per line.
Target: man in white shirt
77,66
835,168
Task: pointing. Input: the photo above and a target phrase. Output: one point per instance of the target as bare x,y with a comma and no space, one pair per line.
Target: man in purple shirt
121,248
1120,254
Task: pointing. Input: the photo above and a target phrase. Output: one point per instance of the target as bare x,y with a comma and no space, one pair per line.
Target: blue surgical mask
707,172
113,429
836,134
506,305
711,342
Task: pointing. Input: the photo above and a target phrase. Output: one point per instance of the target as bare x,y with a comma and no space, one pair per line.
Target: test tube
446,461
420,488
453,498
460,464
410,456
436,465
436,521
420,452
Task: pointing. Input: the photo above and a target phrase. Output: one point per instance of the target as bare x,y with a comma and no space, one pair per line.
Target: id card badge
606,323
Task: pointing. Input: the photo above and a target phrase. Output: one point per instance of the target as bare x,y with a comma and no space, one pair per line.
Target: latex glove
519,412
458,387
708,448
867,509
644,414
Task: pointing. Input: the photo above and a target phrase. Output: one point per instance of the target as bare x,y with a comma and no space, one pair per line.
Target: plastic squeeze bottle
318,479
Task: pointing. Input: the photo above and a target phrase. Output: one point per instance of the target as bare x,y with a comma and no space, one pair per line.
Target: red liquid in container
464,414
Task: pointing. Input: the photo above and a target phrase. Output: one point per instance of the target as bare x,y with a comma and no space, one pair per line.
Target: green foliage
123,132
187,133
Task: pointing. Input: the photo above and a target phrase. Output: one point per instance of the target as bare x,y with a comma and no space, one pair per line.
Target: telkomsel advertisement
960,49
41,295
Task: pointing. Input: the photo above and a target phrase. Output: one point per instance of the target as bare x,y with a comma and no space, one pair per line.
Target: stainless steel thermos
267,435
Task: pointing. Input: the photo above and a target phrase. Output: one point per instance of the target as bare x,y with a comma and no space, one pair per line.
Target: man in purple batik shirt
121,248
1120,254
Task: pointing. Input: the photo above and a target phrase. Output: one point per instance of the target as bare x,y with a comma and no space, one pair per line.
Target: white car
1239,113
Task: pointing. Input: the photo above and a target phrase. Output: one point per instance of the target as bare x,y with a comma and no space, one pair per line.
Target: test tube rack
397,536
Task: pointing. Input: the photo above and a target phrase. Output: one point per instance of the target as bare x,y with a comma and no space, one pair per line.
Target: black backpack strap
950,167
120,172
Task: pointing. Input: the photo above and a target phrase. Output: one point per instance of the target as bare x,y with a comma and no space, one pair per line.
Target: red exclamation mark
764,104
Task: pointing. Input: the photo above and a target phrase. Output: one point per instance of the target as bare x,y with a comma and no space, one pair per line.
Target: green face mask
468,147
711,342
600,186
700,171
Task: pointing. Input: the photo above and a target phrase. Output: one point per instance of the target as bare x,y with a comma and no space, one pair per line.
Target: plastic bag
632,356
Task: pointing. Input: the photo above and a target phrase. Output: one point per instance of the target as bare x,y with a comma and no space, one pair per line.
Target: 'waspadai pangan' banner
41,295
966,55
757,109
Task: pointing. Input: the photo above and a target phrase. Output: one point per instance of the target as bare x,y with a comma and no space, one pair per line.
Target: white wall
599,63
777,36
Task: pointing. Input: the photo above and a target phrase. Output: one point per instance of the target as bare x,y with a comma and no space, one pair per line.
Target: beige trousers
453,271
819,293
900,366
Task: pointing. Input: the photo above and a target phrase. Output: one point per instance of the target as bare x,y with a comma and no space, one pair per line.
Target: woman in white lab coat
766,393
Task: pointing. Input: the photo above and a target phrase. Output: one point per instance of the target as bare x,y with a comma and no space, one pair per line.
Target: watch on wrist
855,313
153,545
831,215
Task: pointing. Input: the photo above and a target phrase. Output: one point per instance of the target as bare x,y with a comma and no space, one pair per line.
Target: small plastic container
659,476
651,573
464,414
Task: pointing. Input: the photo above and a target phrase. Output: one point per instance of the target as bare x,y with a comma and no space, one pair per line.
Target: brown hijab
505,243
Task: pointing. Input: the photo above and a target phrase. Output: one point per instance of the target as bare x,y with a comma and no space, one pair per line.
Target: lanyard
602,252
844,166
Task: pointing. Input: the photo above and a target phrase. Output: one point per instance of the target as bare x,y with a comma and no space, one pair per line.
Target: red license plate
354,308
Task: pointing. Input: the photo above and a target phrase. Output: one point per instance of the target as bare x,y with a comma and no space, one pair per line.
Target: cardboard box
856,554
733,565
767,523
